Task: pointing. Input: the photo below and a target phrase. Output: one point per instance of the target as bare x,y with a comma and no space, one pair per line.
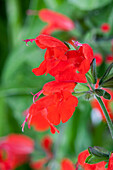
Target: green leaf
92,159
99,92
78,94
69,45
107,78
93,70
108,83
107,95
80,87
106,166
90,77
98,151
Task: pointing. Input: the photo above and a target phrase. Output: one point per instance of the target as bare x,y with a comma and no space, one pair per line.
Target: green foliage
90,4
17,80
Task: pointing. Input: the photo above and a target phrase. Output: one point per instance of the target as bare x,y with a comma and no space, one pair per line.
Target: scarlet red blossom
54,87
46,144
55,20
105,27
58,105
53,108
14,151
66,164
39,121
62,63
98,58
109,58
108,105
81,161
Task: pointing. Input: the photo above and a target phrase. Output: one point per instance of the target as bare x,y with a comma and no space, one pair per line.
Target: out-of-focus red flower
109,57
98,58
46,144
62,63
81,161
55,20
110,164
105,27
108,105
66,164
14,151
39,165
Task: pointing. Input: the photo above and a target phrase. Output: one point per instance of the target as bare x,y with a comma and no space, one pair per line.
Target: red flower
98,58
108,105
64,65
66,164
81,161
39,164
14,150
53,109
76,66
55,20
46,144
105,27
39,121
109,58
58,105
54,87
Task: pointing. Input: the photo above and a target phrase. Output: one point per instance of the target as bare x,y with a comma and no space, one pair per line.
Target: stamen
29,122
23,124
36,96
76,43
27,40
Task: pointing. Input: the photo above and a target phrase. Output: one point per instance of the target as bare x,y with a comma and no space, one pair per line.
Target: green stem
109,122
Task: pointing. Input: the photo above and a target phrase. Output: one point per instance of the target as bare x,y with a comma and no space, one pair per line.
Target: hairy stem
109,122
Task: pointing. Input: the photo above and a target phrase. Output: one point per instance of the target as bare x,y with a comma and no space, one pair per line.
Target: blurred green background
17,79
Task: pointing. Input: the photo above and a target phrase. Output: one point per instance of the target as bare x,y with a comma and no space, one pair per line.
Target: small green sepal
71,47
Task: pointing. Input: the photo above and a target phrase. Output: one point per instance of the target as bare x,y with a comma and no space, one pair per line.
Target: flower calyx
97,154
101,92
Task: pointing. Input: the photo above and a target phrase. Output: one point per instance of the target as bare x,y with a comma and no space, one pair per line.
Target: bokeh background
17,80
